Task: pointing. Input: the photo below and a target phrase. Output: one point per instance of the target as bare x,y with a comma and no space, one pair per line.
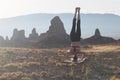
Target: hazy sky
10,8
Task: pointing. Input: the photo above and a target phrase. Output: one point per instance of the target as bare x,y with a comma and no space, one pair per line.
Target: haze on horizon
12,8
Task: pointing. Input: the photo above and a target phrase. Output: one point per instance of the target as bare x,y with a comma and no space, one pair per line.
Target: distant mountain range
109,24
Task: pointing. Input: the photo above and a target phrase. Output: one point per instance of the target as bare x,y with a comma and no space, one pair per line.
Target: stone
98,39
7,39
1,38
34,37
56,36
18,35
97,33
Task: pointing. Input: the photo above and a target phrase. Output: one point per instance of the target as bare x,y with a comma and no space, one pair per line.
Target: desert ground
102,63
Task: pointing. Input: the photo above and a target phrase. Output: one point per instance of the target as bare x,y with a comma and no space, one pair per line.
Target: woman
75,35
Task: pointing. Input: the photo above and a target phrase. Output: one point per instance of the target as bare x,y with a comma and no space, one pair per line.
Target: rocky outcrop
118,40
33,37
56,27
97,33
18,35
1,38
7,39
1,41
98,39
56,36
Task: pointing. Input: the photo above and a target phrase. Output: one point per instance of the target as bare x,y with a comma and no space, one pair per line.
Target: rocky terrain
55,36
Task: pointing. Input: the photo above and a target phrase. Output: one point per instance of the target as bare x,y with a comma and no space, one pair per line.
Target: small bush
25,78
11,75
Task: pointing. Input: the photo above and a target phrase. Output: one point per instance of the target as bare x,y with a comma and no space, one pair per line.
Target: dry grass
47,64
103,48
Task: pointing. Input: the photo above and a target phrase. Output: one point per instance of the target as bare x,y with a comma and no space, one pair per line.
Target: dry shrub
13,65
25,78
44,73
113,78
11,75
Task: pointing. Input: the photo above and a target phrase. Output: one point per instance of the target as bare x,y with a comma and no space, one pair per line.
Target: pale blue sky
10,8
